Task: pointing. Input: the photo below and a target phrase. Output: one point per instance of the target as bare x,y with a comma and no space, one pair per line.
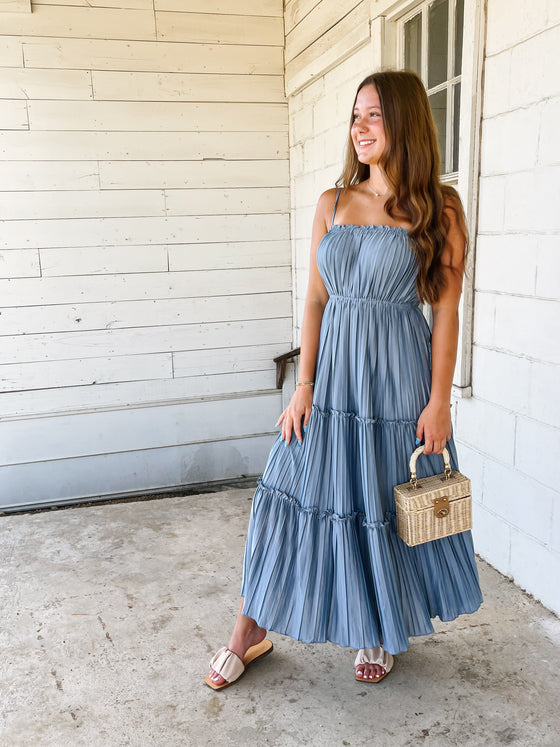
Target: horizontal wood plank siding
209,28
149,313
105,145
222,7
16,6
219,369
83,23
318,53
295,11
125,86
324,16
145,260
122,4
83,203
19,83
163,116
139,56
173,230
10,52
13,115
110,342
138,472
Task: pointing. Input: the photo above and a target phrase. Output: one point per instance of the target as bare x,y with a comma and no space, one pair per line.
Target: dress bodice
372,263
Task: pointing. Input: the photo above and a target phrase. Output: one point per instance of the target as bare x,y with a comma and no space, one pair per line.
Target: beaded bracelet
303,383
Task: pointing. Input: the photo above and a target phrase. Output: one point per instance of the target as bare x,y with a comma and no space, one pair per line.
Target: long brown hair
410,164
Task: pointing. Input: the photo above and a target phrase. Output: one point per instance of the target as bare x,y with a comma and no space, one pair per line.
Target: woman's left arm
434,423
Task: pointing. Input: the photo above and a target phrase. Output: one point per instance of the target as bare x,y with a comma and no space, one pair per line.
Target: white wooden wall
144,243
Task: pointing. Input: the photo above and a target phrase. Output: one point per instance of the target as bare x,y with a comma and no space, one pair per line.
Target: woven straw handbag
433,507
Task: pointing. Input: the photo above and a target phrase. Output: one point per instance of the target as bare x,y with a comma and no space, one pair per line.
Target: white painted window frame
385,48
422,7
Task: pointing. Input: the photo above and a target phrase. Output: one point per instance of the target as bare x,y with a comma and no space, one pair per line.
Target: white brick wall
505,493
516,132
510,23
506,263
492,536
548,267
491,203
537,447
555,530
508,434
544,404
487,428
502,379
535,567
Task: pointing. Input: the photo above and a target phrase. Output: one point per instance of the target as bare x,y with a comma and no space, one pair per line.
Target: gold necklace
376,194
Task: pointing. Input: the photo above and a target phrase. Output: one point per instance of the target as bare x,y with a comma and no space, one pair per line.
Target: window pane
438,102
459,14
413,44
437,43
456,114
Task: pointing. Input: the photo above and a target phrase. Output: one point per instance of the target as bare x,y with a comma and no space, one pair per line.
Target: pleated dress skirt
323,560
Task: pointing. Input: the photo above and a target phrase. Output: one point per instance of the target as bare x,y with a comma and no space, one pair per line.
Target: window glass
432,46
438,103
413,44
459,15
437,42
456,114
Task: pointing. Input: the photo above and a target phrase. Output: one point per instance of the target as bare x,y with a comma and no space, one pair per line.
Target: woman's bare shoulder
325,206
328,196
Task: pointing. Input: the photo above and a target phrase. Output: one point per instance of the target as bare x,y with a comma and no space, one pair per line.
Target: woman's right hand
298,409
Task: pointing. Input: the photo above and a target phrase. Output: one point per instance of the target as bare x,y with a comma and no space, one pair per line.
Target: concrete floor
110,614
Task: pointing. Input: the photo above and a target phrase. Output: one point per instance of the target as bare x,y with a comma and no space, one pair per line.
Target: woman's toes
215,677
370,671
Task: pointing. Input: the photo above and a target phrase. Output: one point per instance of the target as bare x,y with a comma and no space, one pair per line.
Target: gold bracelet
303,383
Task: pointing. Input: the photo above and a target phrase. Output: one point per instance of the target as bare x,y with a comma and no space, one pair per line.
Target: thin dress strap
335,203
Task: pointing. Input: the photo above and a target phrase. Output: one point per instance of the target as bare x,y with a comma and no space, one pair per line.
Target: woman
323,560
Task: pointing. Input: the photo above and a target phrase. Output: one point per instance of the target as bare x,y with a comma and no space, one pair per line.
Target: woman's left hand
434,425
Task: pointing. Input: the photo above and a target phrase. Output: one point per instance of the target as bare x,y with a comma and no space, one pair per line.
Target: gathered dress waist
372,300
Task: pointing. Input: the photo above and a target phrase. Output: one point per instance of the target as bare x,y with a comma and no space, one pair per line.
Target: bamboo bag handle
412,464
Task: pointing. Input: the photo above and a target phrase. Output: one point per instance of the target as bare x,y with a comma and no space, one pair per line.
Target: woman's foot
246,633
372,664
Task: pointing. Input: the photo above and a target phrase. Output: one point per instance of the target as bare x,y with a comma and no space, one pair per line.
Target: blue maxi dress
323,560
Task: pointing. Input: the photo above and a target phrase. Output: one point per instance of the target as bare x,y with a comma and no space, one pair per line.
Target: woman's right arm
315,302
